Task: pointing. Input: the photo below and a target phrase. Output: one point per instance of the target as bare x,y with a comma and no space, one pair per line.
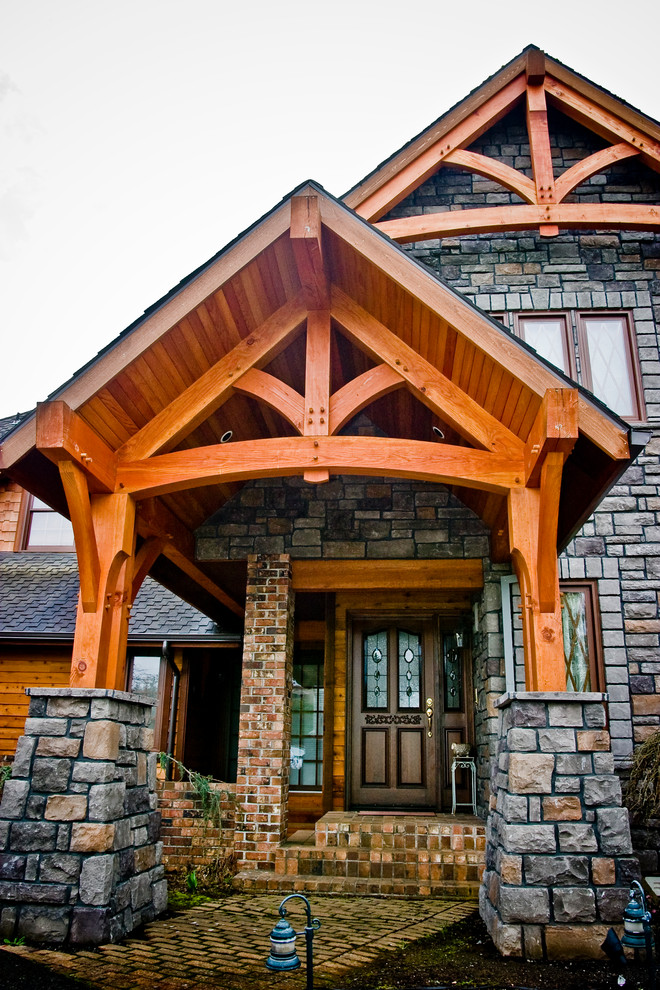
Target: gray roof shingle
39,594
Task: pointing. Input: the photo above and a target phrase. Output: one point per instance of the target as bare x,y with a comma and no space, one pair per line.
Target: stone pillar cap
564,697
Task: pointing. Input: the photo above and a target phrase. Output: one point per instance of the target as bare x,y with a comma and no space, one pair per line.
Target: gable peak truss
113,495
538,84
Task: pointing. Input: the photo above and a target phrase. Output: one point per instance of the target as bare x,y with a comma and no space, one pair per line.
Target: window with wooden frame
582,641
41,528
550,335
610,365
606,349
307,703
149,674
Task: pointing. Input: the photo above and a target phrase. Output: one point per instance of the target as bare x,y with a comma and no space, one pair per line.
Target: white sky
138,137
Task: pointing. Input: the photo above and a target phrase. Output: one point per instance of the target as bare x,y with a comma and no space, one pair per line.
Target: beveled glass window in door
376,670
307,721
452,649
410,669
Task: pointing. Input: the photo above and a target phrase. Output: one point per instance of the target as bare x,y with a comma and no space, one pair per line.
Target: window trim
589,587
632,356
568,344
23,529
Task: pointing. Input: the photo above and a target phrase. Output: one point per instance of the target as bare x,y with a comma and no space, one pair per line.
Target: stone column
264,739
558,859
79,850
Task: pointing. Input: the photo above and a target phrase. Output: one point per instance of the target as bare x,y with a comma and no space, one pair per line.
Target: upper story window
550,336
45,529
604,347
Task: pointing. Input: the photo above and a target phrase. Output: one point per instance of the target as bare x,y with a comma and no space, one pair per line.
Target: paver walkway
224,944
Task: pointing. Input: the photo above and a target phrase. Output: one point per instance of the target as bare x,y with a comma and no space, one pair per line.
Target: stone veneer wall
579,271
264,735
80,859
558,854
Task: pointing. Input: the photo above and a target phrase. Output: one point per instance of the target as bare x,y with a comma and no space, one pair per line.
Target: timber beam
62,435
555,429
76,490
305,234
216,385
426,383
287,456
154,519
490,219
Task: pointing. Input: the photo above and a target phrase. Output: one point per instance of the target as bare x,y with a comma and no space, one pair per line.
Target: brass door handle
429,715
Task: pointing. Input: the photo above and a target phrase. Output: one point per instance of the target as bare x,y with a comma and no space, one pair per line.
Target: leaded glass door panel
392,727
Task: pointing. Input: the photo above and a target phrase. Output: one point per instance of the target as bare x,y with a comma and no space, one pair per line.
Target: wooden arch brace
426,383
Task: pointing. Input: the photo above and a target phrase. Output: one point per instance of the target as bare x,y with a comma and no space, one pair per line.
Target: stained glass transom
410,669
375,670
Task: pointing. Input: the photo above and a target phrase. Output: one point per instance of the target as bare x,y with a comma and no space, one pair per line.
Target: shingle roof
39,594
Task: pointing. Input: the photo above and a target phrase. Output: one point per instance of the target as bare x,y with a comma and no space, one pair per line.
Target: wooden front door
393,733
411,699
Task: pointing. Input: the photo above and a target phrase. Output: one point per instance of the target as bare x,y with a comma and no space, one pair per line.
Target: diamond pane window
609,371
375,670
410,666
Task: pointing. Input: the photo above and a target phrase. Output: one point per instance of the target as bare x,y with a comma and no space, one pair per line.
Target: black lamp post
283,956
637,932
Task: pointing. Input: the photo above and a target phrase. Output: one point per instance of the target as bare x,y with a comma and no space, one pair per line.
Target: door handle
429,716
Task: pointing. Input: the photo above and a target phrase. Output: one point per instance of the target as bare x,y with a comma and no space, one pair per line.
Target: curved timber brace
533,518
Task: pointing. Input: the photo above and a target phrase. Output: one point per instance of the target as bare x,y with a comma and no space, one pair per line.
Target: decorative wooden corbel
74,482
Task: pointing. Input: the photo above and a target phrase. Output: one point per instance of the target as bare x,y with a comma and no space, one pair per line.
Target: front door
393,729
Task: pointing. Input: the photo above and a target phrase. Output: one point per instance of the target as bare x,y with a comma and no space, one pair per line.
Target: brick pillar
558,855
264,735
80,860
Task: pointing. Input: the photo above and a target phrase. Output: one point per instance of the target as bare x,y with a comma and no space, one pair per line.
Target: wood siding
21,667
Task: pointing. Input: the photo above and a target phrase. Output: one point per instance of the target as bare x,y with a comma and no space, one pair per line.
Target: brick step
405,832
259,881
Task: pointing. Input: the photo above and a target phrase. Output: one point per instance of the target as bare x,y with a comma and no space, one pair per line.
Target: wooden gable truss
308,320
535,80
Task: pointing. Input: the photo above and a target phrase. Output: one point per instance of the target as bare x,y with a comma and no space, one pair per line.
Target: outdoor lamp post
283,956
637,932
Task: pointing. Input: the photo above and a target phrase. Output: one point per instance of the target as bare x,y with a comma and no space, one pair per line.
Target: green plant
191,882
210,798
5,773
15,941
642,794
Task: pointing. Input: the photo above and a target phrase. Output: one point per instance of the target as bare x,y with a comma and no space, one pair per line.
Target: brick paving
224,944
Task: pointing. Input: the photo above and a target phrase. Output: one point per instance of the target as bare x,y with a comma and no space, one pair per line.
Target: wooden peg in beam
307,247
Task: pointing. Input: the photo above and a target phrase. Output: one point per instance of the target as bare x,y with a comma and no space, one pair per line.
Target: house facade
424,480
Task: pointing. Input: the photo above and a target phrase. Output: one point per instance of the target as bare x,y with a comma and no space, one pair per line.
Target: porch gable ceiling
280,342
538,82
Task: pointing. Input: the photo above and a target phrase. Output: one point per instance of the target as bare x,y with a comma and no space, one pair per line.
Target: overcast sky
138,137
